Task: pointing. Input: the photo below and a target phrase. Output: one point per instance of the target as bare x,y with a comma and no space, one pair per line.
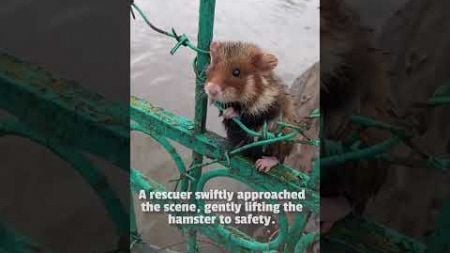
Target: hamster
241,77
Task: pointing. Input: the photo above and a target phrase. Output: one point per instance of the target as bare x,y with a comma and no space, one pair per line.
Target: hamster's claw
266,163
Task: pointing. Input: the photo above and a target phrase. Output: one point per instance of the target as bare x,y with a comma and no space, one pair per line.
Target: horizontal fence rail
63,111
70,121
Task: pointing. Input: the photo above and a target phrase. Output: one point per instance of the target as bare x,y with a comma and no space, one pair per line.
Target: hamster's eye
236,72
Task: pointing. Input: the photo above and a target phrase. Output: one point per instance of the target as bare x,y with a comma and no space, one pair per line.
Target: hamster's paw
266,163
230,113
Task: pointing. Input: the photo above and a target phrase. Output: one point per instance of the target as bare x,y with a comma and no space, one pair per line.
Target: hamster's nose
213,90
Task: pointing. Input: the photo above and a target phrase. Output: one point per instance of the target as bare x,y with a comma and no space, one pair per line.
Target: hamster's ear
265,61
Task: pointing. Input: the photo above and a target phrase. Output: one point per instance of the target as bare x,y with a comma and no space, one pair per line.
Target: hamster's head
236,71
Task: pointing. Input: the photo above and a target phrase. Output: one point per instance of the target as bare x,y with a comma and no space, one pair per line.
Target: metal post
205,35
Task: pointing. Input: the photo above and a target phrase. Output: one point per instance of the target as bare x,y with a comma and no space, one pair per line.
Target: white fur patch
249,90
265,100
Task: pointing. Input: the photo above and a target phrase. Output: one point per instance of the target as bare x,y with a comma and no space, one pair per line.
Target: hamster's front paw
230,113
266,163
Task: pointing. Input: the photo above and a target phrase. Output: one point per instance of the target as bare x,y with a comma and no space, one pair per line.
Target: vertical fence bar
205,35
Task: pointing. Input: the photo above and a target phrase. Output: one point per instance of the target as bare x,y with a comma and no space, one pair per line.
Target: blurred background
41,195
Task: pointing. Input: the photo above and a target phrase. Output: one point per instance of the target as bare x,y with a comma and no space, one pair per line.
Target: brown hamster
241,77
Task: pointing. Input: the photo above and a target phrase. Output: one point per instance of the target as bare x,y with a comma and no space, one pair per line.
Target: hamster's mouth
213,93
211,101
220,99
217,98
214,99
217,95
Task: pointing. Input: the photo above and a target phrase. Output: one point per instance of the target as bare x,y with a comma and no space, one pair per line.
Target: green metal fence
84,122
69,121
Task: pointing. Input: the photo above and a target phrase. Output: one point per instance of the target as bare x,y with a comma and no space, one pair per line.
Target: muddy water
287,28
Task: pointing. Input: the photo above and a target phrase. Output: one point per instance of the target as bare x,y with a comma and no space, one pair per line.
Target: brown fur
257,89
282,150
